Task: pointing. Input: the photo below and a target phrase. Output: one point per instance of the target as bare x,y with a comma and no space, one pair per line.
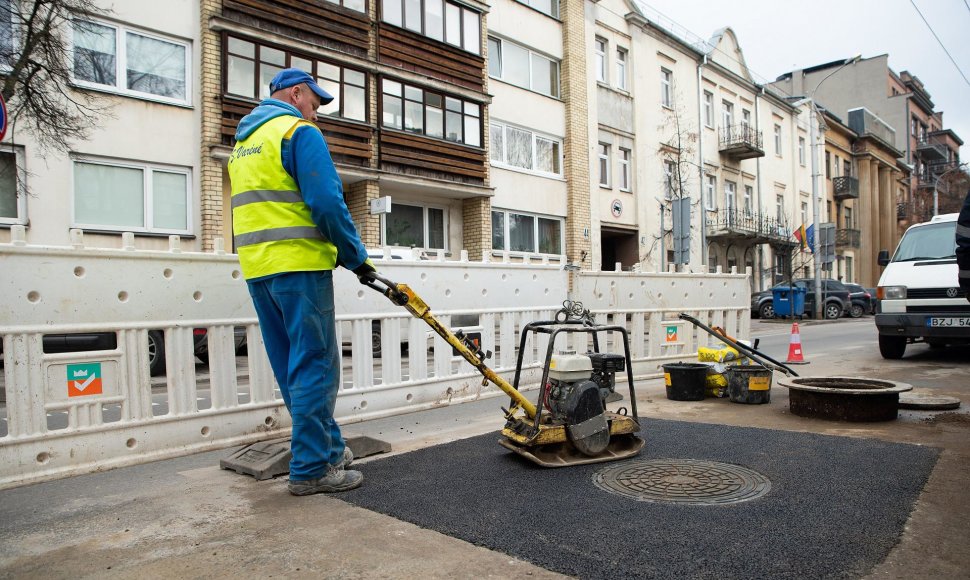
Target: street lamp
936,183
816,174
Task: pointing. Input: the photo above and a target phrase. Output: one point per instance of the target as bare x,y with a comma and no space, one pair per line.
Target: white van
919,292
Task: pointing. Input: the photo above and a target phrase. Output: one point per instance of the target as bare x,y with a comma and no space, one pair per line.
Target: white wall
136,130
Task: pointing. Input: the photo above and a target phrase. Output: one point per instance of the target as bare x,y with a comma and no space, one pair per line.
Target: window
708,109
454,24
670,179
621,55
519,66
847,168
745,118
599,48
730,190
666,87
135,197
355,5
131,62
913,125
624,161
522,148
748,196
777,139
415,226
415,110
835,166
828,165
847,214
727,114
13,199
710,187
516,232
780,208
804,214
801,150
550,7
604,159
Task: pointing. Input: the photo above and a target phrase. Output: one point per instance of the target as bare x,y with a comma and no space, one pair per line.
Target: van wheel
892,347
156,352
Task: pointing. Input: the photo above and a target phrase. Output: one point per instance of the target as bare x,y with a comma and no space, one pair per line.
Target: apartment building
139,170
674,116
899,100
408,121
862,177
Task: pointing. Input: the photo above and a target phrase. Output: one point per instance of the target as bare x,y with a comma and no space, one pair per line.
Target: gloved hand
365,271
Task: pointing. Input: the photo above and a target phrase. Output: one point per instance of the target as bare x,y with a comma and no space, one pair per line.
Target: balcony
847,238
845,187
926,178
740,142
740,225
932,149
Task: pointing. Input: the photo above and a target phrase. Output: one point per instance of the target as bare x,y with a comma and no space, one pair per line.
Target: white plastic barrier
76,412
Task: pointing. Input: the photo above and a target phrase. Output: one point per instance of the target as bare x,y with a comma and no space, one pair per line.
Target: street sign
681,215
671,333
380,205
3,118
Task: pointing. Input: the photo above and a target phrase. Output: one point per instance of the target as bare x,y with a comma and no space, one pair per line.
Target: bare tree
36,75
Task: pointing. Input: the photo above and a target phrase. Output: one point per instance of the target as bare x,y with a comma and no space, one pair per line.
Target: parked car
862,301
835,297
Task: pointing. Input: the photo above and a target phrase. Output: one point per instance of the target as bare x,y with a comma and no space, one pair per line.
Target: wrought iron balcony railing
932,148
848,238
845,187
741,224
741,141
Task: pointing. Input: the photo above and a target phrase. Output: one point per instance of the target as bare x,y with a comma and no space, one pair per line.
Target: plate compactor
569,423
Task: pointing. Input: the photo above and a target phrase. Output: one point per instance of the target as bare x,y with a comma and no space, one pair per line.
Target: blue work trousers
297,320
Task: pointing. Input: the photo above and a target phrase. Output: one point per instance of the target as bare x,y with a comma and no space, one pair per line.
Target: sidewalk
187,518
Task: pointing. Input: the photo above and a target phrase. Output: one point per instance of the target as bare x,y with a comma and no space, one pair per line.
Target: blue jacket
306,158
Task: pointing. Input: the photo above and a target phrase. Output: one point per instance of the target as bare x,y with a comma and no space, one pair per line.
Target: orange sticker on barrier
667,379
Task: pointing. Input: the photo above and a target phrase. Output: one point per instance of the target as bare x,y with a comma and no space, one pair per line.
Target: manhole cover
928,402
686,481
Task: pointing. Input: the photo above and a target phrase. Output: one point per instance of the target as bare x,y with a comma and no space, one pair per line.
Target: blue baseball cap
290,77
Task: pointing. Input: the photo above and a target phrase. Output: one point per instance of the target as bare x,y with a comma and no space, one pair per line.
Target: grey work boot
334,481
347,460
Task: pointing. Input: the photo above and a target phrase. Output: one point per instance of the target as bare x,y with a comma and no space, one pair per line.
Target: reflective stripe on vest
272,226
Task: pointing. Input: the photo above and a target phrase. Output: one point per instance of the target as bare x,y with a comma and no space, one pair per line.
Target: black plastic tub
685,381
749,384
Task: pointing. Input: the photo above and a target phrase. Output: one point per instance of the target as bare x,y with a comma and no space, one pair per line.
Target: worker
963,246
291,228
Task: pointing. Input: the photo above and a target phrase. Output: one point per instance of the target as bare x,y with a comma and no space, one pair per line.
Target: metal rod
756,355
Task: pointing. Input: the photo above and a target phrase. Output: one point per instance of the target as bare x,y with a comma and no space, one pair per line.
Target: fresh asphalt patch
835,508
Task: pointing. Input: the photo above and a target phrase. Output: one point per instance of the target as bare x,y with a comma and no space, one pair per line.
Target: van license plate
956,322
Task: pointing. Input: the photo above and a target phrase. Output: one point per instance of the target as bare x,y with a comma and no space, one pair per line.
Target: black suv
835,297
863,302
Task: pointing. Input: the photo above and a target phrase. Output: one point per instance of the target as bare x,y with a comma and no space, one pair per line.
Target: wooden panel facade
420,54
317,21
419,155
350,143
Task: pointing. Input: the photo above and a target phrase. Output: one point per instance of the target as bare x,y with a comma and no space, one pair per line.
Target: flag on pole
800,235
810,238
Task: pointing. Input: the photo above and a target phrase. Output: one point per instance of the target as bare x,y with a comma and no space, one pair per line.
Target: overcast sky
778,36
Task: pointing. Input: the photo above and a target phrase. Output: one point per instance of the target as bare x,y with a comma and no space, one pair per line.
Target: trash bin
788,301
685,381
750,384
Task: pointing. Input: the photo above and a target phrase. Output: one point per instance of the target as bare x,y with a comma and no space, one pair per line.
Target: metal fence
74,412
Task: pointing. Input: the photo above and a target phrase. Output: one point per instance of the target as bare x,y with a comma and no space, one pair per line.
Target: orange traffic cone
795,347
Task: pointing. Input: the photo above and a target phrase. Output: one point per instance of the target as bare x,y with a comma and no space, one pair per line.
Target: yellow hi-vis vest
272,227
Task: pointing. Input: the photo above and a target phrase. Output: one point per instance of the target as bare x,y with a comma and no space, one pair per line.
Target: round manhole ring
682,481
920,401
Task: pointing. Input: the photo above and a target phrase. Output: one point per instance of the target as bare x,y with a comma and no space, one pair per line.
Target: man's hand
365,271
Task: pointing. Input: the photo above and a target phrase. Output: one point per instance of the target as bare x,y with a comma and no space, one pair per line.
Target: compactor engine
576,395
